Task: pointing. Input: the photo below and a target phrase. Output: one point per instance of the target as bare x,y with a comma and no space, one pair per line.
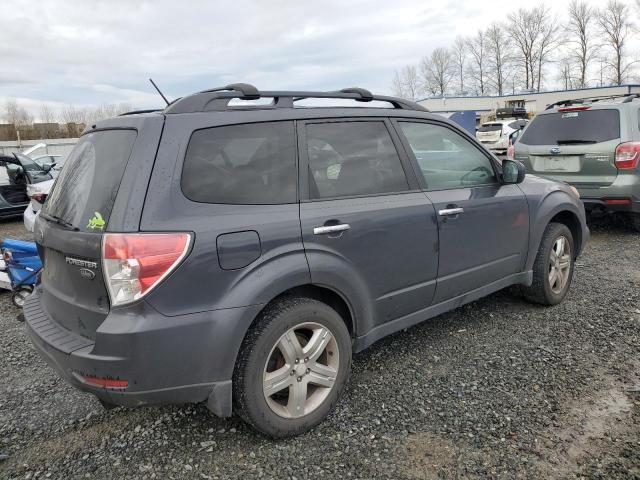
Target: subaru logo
87,274
555,150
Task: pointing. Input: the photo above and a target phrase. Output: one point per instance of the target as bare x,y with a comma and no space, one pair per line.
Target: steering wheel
477,175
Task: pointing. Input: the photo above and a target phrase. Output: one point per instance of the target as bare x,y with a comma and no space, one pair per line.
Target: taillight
627,155
39,197
135,263
511,151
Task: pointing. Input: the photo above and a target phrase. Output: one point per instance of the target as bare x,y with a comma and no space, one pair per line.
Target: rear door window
352,158
86,189
573,128
490,127
242,164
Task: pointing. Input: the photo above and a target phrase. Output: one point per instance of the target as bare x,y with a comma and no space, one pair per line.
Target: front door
366,226
483,224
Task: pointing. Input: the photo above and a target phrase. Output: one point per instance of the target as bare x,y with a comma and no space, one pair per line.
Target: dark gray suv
236,252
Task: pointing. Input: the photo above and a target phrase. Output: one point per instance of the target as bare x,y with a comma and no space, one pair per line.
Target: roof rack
217,99
628,97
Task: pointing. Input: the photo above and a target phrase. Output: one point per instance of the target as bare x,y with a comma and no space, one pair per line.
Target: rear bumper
623,195
184,359
612,204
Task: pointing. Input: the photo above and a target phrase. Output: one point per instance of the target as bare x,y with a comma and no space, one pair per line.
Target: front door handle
331,229
447,212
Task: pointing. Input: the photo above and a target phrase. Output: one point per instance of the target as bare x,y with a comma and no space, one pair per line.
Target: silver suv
592,144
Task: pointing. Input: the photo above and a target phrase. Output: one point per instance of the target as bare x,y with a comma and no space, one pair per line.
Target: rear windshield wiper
60,221
578,142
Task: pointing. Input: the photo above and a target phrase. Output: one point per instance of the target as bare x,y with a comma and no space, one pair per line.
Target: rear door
574,145
79,209
13,184
483,225
364,221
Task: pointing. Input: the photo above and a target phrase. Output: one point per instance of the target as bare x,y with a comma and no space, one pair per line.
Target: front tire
553,267
292,367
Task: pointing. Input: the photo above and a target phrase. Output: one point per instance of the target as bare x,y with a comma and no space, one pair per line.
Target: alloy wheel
559,264
301,370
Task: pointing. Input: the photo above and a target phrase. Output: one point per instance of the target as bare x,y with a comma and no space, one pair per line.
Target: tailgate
70,227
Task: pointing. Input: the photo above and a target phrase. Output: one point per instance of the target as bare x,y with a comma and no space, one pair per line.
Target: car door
13,183
483,225
367,228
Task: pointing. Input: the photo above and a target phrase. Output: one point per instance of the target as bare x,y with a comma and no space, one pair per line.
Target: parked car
593,144
17,171
239,254
53,163
37,193
495,134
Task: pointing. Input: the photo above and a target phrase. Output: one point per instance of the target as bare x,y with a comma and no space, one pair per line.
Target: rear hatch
573,145
489,132
70,227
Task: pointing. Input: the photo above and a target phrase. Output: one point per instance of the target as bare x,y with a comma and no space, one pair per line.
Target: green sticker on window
96,222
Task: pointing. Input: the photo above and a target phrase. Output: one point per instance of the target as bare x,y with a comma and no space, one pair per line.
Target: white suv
495,135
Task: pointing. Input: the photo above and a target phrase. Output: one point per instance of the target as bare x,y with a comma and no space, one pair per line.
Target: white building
531,102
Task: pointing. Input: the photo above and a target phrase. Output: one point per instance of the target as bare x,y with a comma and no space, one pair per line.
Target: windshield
86,189
574,127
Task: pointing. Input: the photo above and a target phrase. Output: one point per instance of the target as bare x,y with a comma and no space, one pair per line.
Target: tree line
66,122
588,45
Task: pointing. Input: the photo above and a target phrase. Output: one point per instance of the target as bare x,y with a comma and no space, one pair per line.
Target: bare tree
460,56
581,19
567,74
406,83
16,114
478,52
498,57
547,40
437,71
47,115
616,25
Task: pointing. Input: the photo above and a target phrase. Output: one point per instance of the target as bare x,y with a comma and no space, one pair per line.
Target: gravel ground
496,389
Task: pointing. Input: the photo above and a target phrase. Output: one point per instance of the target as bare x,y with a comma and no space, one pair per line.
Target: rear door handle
450,211
331,229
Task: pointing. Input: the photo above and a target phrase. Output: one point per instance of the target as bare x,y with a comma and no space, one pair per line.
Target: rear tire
634,221
553,267
292,367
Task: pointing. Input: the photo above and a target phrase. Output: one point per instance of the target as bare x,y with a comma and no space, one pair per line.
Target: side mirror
512,172
47,167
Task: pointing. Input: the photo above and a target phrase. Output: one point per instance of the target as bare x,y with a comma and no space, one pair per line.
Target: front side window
446,159
352,158
242,164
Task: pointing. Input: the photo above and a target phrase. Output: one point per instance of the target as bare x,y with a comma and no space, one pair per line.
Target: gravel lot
497,389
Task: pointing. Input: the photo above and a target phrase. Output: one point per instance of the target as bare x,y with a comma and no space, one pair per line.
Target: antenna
158,90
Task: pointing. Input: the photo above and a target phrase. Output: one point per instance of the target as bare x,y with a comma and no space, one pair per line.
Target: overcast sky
92,52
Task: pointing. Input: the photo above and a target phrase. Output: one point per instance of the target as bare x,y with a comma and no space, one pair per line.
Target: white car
37,193
495,135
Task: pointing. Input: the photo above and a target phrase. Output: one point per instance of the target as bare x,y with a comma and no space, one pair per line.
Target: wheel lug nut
306,360
308,370
297,360
299,379
292,373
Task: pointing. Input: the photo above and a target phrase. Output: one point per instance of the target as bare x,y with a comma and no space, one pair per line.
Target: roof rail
217,99
628,97
134,112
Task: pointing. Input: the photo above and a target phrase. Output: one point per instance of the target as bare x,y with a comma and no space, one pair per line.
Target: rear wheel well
324,295
571,221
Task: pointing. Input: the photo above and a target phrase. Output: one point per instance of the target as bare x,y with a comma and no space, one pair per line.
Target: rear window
491,127
86,189
242,164
576,127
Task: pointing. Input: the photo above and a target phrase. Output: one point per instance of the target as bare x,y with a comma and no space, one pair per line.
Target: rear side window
573,127
86,189
352,158
242,164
